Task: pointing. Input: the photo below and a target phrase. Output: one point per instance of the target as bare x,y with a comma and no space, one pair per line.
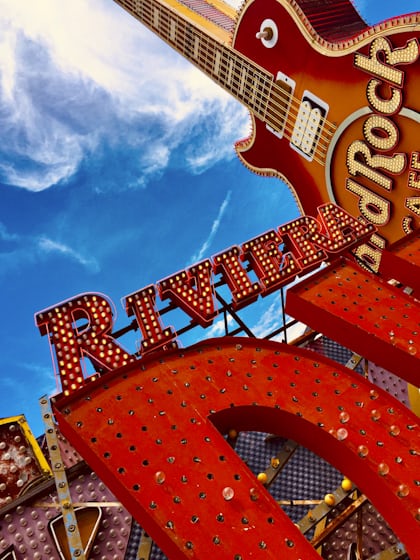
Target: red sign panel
154,434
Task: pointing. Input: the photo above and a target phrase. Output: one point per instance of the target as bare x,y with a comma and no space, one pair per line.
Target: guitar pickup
308,126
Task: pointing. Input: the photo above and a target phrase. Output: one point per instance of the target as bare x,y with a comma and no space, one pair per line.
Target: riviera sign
82,326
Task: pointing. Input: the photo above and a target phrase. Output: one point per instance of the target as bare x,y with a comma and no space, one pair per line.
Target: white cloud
5,235
75,74
24,250
218,327
270,320
153,159
49,246
214,228
47,383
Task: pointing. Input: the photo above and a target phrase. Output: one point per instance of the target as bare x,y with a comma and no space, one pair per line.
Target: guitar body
366,150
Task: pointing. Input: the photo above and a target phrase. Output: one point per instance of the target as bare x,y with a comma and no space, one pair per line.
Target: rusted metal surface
152,431
28,526
21,460
278,462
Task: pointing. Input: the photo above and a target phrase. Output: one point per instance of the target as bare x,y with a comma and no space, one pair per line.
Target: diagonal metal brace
63,491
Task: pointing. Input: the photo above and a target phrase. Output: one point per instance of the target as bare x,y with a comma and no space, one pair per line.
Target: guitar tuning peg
268,33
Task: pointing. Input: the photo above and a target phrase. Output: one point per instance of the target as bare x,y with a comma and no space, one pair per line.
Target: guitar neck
247,82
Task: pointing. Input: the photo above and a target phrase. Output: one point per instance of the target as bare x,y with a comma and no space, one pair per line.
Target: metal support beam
280,461
315,515
396,552
63,491
145,547
338,521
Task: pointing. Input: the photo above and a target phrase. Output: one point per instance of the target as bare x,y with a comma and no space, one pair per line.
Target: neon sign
379,160
82,326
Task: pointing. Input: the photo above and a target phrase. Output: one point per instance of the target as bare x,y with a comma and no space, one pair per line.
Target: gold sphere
346,485
262,477
329,499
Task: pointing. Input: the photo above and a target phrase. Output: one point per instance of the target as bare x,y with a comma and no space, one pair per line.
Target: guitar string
278,102
245,89
163,24
278,107
289,102
276,111
207,63
181,26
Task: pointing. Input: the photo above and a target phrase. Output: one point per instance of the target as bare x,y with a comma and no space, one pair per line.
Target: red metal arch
151,432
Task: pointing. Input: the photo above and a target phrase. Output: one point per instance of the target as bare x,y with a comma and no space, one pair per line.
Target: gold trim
224,8
201,22
242,146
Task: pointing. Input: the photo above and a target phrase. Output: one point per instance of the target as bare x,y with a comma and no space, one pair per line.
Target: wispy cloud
65,94
49,246
21,251
270,320
218,327
46,380
214,228
5,235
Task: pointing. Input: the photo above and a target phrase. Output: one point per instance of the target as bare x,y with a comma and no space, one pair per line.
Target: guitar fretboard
243,79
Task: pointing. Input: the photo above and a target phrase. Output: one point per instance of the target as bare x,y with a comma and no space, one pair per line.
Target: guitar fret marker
172,32
252,90
196,47
243,77
279,104
217,62
156,16
230,71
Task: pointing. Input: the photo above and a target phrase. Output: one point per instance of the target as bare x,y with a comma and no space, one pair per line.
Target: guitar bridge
308,125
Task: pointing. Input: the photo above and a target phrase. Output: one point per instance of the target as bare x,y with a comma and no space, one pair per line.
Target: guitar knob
268,33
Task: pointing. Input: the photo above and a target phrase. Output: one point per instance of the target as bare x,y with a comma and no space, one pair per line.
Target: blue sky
117,168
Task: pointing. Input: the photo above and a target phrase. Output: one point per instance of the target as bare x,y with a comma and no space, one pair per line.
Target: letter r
80,327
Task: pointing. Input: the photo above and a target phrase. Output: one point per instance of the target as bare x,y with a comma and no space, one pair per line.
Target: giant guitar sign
334,103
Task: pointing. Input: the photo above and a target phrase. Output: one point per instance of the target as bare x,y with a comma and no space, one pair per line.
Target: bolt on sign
334,102
306,242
